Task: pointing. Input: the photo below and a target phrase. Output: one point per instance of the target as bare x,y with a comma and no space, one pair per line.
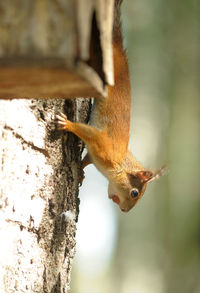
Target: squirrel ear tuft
145,175
148,176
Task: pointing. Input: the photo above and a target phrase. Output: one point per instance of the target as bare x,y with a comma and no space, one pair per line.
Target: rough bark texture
45,53
38,195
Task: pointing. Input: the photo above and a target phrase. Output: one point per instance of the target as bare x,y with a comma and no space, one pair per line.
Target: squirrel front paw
62,121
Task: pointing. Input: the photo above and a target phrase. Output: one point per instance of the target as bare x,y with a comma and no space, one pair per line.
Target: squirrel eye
134,192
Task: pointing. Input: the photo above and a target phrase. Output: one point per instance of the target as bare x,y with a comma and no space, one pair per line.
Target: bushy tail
117,34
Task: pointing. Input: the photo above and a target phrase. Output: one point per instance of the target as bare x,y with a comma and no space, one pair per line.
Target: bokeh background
155,247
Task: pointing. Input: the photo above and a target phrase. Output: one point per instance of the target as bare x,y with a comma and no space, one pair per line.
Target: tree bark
45,53
40,175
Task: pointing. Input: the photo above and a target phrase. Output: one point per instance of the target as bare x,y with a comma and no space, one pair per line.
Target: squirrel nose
124,210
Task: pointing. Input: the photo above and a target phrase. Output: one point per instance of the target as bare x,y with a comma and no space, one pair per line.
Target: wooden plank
45,48
47,78
104,13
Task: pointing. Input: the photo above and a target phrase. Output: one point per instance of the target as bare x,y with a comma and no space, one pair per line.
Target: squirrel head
128,188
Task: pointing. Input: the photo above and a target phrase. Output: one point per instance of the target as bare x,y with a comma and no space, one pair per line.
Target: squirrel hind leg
86,161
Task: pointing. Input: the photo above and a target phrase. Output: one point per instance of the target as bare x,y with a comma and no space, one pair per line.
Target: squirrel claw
61,121
61,117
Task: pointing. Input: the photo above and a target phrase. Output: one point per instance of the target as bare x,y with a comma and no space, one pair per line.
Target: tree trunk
40,174
45,53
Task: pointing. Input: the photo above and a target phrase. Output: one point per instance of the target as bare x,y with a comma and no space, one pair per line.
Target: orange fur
108,135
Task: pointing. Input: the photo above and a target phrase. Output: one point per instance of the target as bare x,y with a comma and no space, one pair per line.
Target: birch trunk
45,53
39,178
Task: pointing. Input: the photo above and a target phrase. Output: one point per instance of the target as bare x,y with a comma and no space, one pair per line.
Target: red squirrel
107,136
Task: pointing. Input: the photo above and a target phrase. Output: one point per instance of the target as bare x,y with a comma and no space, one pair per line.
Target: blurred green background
155,247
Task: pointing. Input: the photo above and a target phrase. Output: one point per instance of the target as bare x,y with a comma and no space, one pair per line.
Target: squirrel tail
117,34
